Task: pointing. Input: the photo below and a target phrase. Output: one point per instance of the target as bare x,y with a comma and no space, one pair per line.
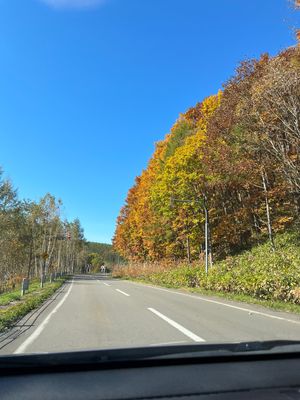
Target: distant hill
102,253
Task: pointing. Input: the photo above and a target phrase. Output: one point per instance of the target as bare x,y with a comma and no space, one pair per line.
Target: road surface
96,312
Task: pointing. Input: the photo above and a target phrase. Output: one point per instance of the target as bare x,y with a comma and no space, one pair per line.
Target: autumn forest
235,154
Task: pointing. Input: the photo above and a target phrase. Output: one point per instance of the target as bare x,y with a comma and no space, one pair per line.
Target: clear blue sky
87,87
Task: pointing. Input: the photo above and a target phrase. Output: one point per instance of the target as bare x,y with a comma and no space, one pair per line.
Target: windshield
150,174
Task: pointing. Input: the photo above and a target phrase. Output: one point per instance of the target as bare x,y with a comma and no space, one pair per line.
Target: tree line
35,240
236,154
101,254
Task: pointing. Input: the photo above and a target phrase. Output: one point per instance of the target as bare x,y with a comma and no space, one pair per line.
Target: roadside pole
206,239
206,228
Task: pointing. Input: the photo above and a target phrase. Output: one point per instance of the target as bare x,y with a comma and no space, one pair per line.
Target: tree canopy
35,239
238,152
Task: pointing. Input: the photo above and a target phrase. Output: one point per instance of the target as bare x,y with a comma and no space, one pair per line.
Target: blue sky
88,86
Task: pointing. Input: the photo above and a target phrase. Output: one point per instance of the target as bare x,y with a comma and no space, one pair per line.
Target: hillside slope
259,272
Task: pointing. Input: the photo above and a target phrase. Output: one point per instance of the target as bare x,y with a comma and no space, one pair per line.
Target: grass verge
15,306
256,276
15,295
272,304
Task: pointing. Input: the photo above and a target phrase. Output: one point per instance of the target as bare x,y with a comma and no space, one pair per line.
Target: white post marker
181,328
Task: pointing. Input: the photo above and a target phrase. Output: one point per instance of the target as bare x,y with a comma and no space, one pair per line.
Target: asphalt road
99,312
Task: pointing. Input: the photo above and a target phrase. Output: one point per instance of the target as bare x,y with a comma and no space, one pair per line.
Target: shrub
258,272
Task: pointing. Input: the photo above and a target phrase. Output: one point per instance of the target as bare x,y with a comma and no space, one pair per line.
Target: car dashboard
152,374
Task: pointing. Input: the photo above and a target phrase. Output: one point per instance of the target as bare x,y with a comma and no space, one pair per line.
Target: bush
260,272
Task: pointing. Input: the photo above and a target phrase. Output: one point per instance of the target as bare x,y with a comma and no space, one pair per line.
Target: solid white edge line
41,327
120,291
181,328
248,310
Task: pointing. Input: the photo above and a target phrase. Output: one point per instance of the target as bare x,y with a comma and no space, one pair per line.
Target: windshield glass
150,173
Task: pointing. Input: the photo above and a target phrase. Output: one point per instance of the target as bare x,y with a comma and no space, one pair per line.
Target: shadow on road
29,320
